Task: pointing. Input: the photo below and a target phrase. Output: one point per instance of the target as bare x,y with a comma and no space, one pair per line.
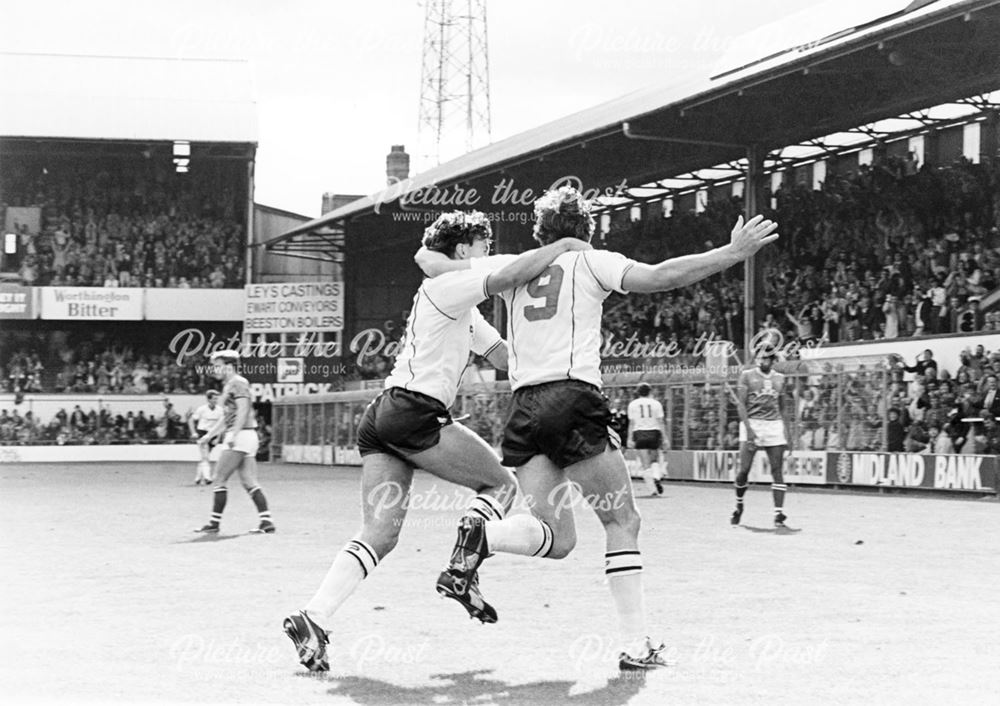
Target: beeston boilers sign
294,307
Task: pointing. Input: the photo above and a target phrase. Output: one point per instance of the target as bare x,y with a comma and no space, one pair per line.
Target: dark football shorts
569,421
400,423
211,444
647,438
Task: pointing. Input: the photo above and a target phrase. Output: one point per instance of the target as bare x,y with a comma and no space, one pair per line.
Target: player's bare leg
385,487
747,451
776,457
606,486
248,477
653,486
229,463
203,471
463,458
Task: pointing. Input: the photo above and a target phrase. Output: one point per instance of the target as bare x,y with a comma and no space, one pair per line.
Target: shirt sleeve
456,292
492,263
485,338
238,388
608,268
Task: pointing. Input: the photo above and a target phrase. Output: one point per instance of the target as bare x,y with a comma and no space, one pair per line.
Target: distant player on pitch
203,419
239,445
763,428
646,430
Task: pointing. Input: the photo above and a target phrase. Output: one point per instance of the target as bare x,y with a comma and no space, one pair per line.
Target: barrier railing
830,406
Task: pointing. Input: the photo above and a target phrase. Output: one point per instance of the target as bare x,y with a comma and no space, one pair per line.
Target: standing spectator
895,432
891,314
971,318
991,398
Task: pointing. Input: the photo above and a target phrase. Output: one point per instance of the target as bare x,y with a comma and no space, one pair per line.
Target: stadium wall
44,407
99,454
121,304
947,349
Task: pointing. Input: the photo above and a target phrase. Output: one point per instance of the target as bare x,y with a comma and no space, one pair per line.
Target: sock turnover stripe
356,544
547,540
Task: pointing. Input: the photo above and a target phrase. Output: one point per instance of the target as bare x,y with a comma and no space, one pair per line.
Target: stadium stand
126,223
890,251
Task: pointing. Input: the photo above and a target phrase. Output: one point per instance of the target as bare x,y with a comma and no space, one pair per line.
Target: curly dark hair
452,229
562,213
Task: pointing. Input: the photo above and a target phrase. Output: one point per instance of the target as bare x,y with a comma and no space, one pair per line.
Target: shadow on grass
772,530
475,687
207,538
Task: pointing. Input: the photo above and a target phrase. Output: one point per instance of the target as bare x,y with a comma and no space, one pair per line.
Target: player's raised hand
747,238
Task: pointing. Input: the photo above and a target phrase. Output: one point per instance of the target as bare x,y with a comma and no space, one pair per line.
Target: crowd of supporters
890,405
101,426
85,365
129,225
94,426
887,252
890,250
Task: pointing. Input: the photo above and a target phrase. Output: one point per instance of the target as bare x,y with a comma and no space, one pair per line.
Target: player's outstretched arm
434,263
530,264
747,238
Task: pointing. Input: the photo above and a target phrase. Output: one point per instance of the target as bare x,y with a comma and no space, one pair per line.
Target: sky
338,82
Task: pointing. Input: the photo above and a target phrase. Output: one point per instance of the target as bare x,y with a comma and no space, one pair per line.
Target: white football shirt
205,417
645,414
443,326
554,321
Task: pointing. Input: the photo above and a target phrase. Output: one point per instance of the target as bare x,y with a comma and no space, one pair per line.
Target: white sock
623,569
486,507
519,534
649,476
351,566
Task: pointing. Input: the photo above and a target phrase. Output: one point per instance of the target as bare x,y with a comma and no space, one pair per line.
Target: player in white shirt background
203,419
409,425
646,434
558,428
